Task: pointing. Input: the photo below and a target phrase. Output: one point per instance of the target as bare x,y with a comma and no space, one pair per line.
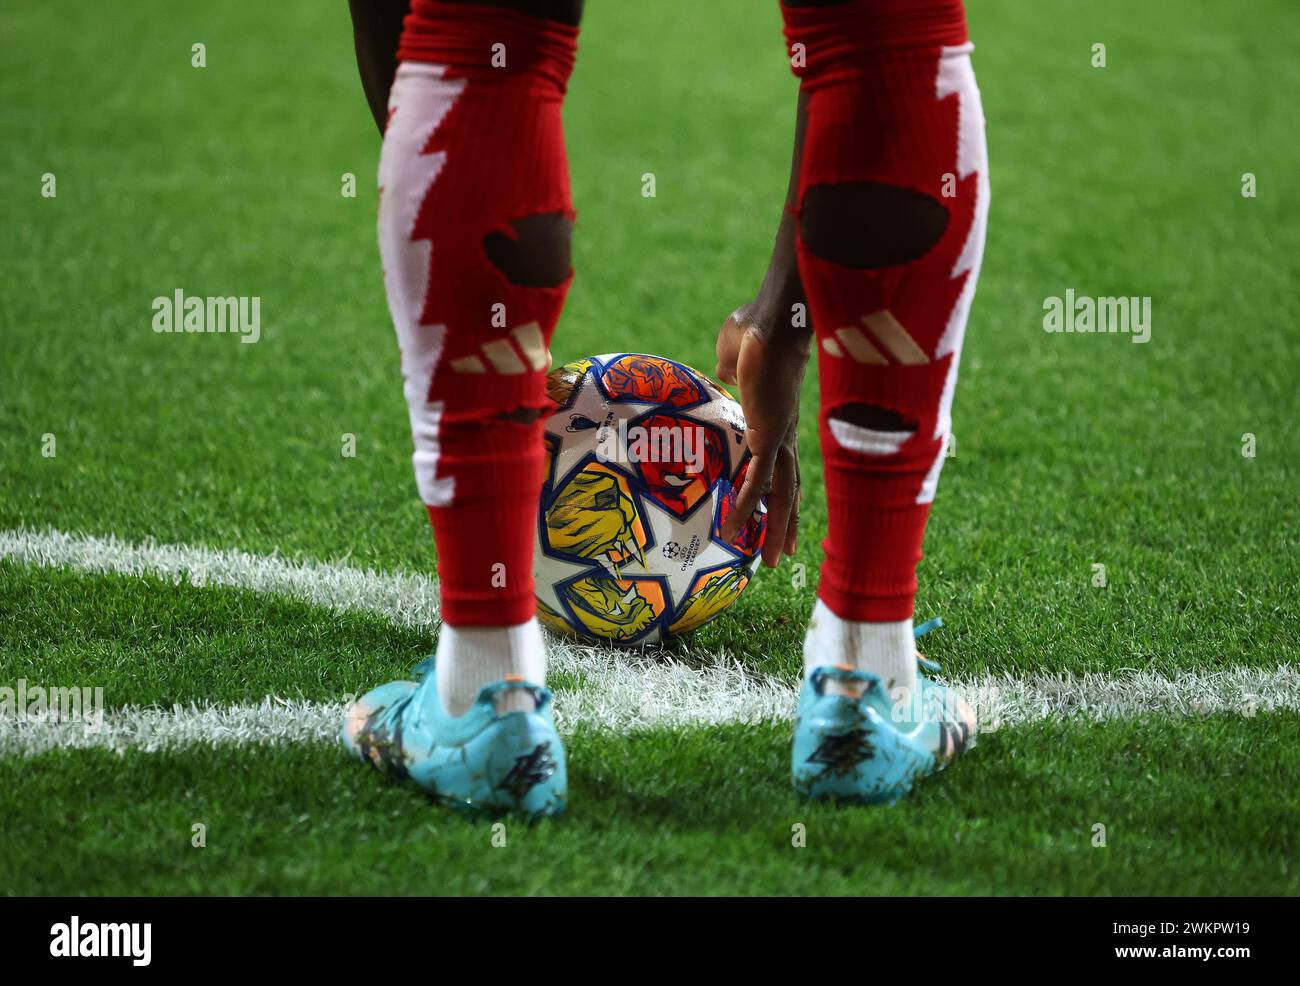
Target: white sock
470,657
887,650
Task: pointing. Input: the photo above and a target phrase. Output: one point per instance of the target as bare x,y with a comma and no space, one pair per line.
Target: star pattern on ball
588,404
666,528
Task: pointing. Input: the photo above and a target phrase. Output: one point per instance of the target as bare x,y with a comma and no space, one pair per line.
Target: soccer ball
643,457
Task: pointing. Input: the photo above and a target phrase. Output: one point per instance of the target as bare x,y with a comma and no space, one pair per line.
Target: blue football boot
863,749
484,761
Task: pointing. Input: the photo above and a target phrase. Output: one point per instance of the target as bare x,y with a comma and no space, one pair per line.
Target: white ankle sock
470,657
884,649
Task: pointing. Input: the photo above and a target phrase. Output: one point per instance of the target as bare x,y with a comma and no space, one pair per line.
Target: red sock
474,143
891,100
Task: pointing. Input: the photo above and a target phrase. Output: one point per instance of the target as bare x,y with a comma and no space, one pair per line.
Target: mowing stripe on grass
621,689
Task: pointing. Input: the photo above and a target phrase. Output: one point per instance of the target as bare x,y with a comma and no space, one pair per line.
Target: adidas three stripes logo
887,334
528,352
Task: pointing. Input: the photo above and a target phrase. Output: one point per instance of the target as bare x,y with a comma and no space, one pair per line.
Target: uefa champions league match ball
644,456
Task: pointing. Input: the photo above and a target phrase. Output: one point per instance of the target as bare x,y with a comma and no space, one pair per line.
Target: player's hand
767,362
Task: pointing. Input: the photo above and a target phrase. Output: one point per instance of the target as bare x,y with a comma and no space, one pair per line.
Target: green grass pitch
1072,451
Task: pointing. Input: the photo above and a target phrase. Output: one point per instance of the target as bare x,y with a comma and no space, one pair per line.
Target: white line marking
621,690
407,600
630,700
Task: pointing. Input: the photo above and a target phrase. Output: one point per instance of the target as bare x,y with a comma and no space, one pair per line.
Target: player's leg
893,196
474,229
377,28
376,31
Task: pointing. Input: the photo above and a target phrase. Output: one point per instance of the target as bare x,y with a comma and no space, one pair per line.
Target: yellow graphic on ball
710,596
594,516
